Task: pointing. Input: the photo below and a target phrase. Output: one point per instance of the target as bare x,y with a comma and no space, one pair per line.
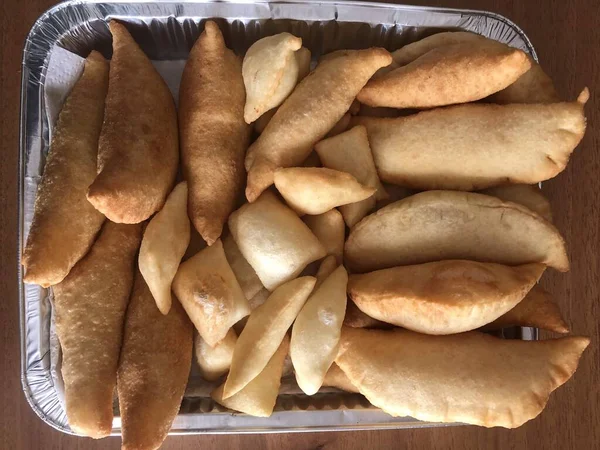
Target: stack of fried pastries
376,248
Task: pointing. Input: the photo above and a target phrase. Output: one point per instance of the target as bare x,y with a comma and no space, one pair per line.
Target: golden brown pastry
469,377
316,331
355,318
264,332
457,73
436,225
335,377
64,223
90,305
475,146
316,190
536,310
273,239
534,86
210,294
350,152
524,194
259,396
165,241
153,371
317,103
414,50
442,297
329,228
214,136
138,150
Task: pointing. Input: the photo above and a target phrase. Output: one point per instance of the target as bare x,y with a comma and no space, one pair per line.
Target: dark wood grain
567,38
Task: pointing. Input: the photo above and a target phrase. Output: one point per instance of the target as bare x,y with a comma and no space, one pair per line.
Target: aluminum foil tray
166,31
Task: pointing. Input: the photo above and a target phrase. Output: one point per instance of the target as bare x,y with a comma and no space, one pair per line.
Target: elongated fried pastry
446,75
153,371
264,332
410,52
330,230
316,190
214,361
214,136
317,103
436,225
90,305
335,377
273,239
259,396
524,194
534,86
165,240
470,377
64,222
475,146
350,152
243,271
536,310
210,294
270,72
138,150
443,297
316,331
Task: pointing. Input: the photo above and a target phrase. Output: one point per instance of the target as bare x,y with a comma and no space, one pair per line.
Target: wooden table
567,38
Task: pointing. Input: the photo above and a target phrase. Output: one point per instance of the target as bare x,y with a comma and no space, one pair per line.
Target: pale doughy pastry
259,396
264,332
214,361
306,116
214,136
470,377
270,71
165,241
443,297
210,294
475,146
89,307
524,194
316,331
156,357
138,150
302,61
329,228
316,190
350,152
64,223
327,266
273,239
244,273
436,225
